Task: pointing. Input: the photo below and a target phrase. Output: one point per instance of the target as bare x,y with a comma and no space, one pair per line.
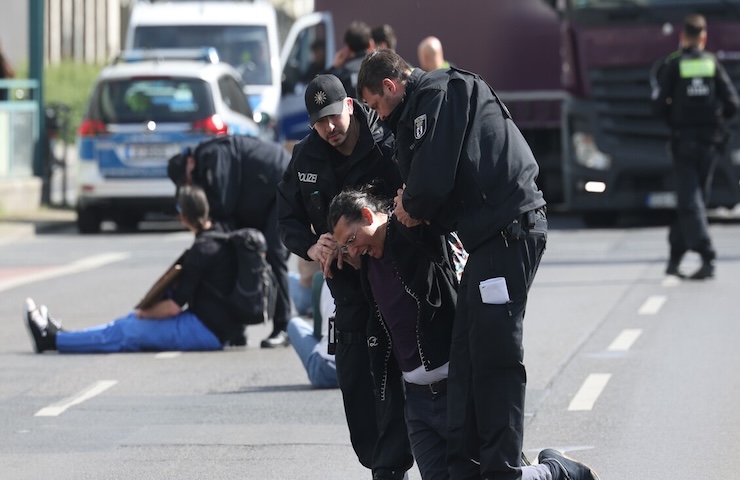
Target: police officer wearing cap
468,169
348,146
695,96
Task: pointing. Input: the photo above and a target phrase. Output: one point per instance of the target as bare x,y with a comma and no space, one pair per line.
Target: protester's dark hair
357,37
383,63
193,205
694,25
384,33
350,202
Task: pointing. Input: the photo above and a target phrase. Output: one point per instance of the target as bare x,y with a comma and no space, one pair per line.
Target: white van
243,32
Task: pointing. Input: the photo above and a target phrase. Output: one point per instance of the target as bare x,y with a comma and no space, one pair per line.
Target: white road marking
93,390
87,263
589,392
652,305
167,355
624,340
671,281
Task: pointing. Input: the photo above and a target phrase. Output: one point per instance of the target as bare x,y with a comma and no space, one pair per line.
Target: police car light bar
204,54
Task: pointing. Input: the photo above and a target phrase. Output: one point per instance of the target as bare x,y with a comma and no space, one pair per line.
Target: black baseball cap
324,96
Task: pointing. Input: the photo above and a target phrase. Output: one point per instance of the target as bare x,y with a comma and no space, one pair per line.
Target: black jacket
700,98
423,263
310,183
466,165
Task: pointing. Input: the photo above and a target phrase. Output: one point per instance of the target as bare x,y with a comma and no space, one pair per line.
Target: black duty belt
435,388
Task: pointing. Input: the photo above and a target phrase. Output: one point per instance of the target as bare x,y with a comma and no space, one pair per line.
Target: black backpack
253,297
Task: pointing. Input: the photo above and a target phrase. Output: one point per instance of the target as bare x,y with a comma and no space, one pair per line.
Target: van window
244,47
307,58
159,99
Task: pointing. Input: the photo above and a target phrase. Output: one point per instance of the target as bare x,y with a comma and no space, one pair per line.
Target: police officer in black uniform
347,147
239,175
468,168
695,95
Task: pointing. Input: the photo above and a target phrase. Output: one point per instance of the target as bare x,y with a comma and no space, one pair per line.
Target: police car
146,107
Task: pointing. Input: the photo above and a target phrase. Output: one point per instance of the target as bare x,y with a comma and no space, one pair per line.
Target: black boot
672,269
705,271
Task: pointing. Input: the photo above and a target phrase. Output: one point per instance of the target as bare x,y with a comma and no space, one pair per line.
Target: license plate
661,200
160,151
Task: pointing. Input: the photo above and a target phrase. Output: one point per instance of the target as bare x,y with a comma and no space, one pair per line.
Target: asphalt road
628,370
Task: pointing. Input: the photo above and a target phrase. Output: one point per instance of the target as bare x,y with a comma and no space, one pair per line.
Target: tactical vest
694,97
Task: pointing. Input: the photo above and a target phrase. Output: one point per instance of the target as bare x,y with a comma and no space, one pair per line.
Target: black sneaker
238,340
44,338
672,269
571,469
276,339
705,271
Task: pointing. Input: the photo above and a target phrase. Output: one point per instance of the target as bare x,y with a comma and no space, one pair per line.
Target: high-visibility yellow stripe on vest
697,67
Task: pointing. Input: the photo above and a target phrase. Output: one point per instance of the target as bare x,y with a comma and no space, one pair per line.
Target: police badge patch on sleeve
420,126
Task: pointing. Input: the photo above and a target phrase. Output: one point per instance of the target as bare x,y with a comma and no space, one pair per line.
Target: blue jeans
426,420
300,295
182,332
321,372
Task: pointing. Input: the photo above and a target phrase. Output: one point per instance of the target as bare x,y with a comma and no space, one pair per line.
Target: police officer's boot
673,264
705,271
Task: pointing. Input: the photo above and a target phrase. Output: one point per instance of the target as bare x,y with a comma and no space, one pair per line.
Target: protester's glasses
345,248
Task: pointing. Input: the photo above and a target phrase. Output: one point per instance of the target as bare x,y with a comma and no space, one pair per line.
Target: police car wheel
89,220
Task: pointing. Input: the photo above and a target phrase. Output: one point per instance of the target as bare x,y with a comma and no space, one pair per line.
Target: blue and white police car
146,107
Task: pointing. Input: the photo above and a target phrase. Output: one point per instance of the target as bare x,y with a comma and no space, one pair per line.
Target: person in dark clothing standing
468,169
348,146
192,317
358,42
6,73
239,175
695,96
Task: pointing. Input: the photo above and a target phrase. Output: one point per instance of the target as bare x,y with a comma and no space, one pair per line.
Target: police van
244,33
145,108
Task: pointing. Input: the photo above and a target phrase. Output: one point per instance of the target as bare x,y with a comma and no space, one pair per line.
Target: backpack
253,297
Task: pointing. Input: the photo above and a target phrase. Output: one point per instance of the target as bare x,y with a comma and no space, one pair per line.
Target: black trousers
694,162
487,378
377,429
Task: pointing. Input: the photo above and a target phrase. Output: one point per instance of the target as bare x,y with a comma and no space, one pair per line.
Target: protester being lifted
239,175
192,316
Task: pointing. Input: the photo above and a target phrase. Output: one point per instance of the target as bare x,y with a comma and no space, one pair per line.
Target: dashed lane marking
589,392
624,340
60,407
652,305
87,263
167,355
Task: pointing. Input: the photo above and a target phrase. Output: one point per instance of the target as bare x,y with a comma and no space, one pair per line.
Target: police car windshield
160,99
244,47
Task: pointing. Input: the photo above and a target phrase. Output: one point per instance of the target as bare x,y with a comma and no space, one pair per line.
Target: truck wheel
600,219
89,220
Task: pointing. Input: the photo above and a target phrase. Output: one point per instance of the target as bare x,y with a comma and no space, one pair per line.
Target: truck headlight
588,154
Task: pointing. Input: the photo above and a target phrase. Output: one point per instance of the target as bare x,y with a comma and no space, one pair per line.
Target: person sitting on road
205,324
311,342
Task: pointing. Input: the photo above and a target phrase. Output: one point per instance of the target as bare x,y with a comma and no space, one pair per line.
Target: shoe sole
29,329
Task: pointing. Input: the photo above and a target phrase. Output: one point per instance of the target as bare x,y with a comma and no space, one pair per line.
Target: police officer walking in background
695,96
